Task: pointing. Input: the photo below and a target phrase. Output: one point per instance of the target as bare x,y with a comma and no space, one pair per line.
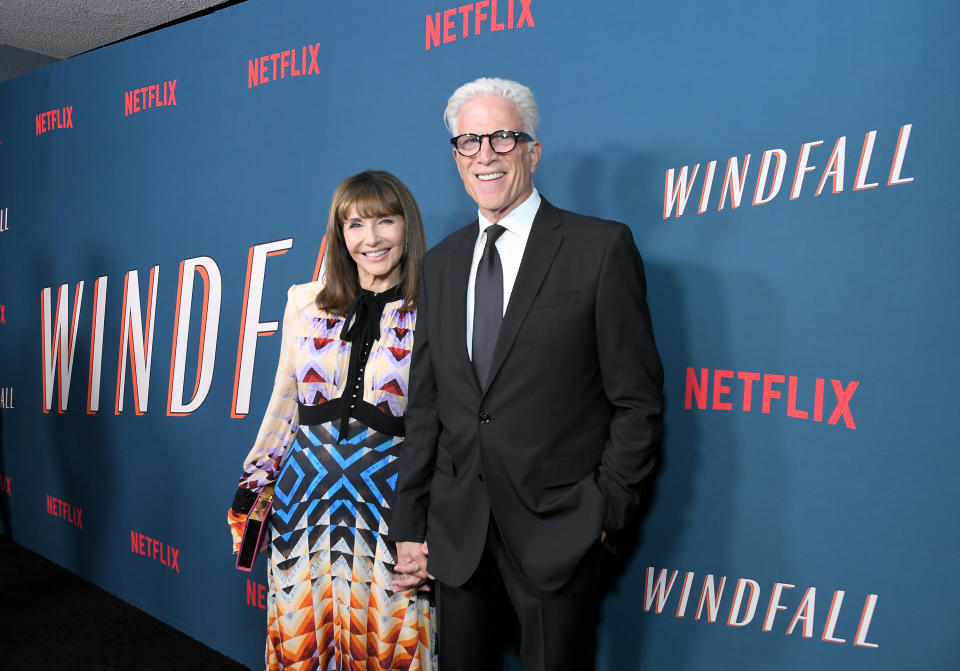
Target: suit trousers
558,629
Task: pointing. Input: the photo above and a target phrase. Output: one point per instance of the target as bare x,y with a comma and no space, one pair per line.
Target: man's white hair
515,92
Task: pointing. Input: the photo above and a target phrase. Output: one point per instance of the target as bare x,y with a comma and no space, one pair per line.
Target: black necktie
487,305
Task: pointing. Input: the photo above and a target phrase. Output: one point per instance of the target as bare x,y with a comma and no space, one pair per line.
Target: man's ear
535,150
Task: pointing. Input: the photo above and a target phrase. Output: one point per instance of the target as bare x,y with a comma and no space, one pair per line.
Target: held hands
411,568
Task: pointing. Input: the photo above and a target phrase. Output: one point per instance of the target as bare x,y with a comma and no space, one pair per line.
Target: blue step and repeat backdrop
789,173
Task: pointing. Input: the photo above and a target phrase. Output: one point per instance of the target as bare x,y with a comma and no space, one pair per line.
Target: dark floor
52,619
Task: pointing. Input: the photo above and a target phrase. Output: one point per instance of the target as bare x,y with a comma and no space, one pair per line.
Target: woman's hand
411,568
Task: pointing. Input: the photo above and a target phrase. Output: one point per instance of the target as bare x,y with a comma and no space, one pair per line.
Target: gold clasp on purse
258,512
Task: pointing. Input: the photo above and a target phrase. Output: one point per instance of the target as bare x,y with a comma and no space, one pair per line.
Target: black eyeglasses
501,141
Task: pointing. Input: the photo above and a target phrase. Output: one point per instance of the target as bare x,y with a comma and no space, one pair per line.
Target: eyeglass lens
500,141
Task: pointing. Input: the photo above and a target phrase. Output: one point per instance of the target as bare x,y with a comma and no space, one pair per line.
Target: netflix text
473,18
148,97
71,513
735,391
282,64
54,120
256,594
151,548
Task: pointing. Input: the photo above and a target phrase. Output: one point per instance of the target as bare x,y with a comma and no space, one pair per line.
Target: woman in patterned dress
332,441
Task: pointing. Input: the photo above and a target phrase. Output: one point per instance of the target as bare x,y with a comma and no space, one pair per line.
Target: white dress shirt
510,246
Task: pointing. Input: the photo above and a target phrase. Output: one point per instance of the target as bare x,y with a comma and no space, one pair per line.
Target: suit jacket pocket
445,464
555,300
569,470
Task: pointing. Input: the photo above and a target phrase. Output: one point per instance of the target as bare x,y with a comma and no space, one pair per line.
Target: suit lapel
454,301
538,255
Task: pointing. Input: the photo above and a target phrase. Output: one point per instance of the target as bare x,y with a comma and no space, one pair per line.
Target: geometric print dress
331,442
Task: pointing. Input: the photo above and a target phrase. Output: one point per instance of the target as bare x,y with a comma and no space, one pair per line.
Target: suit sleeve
422,424
632,378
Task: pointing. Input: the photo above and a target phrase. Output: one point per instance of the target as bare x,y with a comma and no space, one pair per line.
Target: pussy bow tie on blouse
363,315
362,327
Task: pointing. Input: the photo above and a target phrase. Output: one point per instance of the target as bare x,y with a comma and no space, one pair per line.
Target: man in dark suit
535,407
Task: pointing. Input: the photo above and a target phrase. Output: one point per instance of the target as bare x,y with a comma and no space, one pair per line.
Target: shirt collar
520,219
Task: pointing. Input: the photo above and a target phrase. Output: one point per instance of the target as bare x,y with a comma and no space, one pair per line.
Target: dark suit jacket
568,427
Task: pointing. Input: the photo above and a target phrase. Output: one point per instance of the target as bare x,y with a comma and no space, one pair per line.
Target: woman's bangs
370,201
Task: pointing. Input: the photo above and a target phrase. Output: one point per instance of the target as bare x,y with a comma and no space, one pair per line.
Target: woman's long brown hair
375,193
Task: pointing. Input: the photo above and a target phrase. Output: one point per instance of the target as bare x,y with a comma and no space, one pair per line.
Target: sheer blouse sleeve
280,423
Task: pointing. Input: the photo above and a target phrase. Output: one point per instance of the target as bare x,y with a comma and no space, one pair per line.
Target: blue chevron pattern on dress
326,480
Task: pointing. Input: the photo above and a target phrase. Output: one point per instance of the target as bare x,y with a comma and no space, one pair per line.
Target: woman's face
376,244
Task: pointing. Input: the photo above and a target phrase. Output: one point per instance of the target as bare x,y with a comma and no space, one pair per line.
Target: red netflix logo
256,594
739,385
5,487
3,314
155,95
167,555
54,119
487,16
283,64
62,509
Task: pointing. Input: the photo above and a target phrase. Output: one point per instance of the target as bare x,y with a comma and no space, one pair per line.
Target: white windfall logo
60,324
678,184
743,605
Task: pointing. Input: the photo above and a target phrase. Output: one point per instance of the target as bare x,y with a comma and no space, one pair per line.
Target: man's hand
411,568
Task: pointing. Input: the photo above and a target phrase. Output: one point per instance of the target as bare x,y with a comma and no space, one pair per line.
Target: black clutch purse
255,505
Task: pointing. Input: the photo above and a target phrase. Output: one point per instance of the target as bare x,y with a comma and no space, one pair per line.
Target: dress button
484,417
480,476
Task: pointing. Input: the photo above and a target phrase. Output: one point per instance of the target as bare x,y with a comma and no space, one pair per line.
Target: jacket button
484,417
480,476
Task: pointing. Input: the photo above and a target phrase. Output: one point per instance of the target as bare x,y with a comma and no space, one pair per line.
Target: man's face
497,182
